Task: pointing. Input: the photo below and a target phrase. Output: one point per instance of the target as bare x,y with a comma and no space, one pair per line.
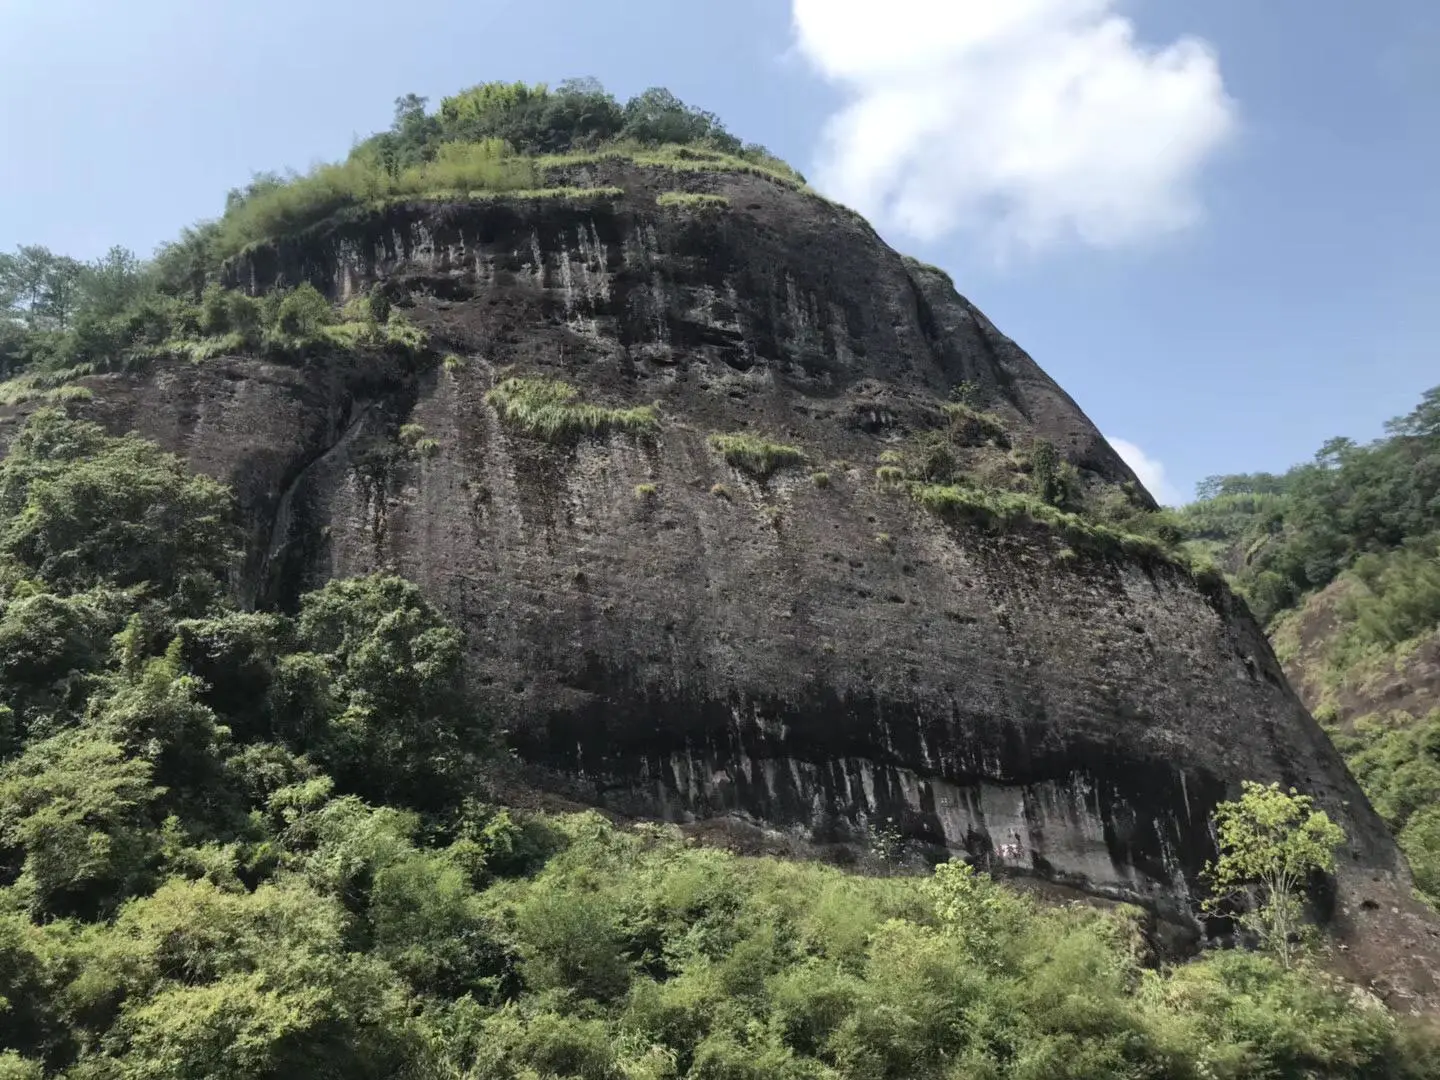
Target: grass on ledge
348,335
756,456
971,427
684,159
50,387
692,201
1004,510
552,410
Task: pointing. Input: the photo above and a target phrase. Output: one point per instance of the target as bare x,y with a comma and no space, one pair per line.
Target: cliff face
823,660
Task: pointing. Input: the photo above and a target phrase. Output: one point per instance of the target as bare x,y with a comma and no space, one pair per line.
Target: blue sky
1217,225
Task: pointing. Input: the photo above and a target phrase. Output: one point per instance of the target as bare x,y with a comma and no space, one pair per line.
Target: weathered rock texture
825,660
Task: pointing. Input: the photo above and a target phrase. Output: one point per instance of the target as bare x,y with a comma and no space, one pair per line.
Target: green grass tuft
756,456
646,492
396,331
49,387
820,479
453,363
551,410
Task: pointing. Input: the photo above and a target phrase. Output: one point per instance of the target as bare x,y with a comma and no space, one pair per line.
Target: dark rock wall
823,660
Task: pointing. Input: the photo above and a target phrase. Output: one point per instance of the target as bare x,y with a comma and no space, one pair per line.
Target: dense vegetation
61,320
1350,542
244,845
1370,509
492,138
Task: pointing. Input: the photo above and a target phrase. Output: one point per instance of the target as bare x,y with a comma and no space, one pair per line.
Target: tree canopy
1286,535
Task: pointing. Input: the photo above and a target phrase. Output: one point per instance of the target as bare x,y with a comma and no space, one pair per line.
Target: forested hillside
1341,558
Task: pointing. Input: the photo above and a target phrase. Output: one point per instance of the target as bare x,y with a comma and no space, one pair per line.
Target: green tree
497,110
157,715
111,283
253,986
82,508
402,730
1271,842
977,913
76,808
658,117
24,280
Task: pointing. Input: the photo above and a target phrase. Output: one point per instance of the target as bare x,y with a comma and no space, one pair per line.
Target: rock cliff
666,635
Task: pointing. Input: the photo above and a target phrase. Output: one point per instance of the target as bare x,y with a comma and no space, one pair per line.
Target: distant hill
1341,558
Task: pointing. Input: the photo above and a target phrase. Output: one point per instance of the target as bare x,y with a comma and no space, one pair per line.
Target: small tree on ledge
1270,842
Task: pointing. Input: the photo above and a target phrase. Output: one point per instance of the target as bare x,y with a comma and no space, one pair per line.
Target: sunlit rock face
827,661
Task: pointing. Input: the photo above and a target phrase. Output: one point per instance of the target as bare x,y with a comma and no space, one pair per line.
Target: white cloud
1150,471
1034,122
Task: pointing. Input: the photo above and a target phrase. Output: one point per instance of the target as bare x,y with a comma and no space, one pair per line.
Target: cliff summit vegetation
495,137
60,314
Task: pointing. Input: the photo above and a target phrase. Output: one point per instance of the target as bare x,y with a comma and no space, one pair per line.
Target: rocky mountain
698,477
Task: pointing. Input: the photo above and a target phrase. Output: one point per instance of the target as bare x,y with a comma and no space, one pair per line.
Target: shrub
552,410
1420,840
646,492
50,387
970,427
965,392
300,202
820,479
14,1067
756,456
1052,479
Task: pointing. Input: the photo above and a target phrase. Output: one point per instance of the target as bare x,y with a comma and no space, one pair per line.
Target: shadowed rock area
824,660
